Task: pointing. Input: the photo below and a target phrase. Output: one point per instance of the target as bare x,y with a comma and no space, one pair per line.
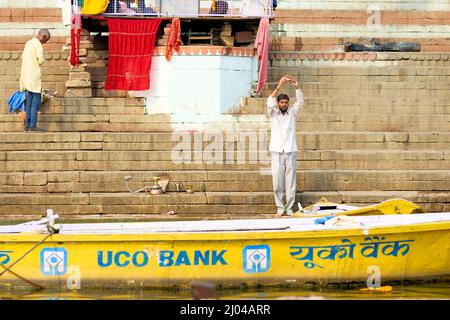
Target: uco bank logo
53,261
256,259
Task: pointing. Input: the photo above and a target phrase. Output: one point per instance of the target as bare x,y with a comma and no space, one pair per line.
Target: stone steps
369,131
313,105
92,110
205,203
351,105
314,140
225,180
359,63
70,165
90,106
82,173
307,122
365,76
360,75
365,93
372,159
367,86
97,101
133,112
327,25
166,155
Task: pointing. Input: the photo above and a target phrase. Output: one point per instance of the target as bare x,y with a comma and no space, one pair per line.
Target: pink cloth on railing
262,46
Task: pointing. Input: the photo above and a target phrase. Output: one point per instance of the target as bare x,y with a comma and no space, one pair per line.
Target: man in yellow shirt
30,78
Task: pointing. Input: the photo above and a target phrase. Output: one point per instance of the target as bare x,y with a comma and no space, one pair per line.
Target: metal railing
190,8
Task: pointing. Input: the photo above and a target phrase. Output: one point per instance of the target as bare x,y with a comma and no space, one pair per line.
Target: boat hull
292,258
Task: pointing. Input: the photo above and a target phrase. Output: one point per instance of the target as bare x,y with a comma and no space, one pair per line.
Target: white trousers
284,179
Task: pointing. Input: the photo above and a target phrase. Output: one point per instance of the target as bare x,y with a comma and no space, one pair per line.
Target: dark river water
438,290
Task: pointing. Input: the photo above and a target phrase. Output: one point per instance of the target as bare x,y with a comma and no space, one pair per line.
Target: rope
23,256
22,278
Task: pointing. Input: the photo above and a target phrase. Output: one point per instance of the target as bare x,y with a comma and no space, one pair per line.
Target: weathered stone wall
55,72
18,24
374,126
327,25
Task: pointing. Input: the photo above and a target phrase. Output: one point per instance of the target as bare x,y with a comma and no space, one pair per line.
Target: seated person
139,6
125,7
221,8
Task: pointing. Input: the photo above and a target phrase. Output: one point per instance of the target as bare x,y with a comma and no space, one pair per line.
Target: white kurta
282,134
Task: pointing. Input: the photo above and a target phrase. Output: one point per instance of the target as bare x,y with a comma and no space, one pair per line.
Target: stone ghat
327,25
81,174
370,130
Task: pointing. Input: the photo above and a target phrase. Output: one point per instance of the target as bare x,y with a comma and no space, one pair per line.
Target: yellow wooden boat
279,251
325,208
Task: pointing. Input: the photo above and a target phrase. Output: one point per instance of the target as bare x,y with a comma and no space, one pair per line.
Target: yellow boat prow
388,207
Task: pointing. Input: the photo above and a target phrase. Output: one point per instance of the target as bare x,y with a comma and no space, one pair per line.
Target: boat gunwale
229,235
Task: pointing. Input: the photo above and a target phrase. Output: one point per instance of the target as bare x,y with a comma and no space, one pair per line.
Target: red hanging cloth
131,44
174,39
75,37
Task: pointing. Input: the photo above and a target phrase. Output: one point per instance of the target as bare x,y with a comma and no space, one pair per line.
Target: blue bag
17,101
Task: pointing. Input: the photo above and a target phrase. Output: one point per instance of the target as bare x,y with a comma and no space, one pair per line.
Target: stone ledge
16,55
358,56
278,55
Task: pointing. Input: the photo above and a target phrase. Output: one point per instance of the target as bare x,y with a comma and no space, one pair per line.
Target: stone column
79,84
